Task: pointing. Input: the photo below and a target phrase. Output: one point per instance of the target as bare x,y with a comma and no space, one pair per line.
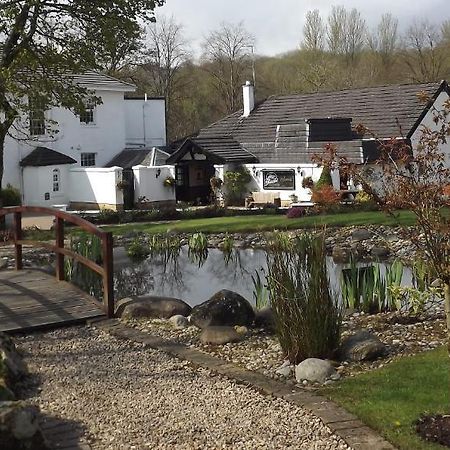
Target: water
196,283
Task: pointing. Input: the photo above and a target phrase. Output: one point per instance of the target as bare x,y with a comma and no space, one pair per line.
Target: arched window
56,180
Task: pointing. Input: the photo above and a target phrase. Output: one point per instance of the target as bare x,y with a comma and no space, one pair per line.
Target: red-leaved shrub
325,197
295,212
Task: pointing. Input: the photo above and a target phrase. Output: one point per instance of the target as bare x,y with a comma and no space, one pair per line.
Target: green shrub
235,183
307,313
10,196
137,250
325,179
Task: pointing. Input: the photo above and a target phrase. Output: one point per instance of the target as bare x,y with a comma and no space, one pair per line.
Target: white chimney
249,98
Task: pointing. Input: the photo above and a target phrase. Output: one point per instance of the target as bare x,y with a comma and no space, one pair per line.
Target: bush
10,196
235,184
326,197
325,179
295,212
307,183
307,313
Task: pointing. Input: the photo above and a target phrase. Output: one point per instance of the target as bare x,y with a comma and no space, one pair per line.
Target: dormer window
330,129
87,115
36,116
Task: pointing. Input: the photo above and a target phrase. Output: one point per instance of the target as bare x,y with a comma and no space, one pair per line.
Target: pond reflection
193,281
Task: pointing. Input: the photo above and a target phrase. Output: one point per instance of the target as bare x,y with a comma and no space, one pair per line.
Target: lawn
390,399
241,224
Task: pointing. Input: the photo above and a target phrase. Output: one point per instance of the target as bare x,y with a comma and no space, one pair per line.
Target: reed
307,314
260,290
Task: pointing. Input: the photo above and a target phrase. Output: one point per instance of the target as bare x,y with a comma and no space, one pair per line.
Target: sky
277,25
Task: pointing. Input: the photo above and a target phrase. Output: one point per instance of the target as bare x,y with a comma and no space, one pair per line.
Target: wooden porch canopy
220,150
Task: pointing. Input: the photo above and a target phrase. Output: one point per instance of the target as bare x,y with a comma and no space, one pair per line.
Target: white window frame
87,117
36,117
56,180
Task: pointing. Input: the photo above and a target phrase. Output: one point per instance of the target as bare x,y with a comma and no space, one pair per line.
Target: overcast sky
277,25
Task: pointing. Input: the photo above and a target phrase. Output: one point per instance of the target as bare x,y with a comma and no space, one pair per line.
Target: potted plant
169,181
122,185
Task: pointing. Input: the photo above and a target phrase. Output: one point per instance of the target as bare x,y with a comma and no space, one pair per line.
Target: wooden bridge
32,299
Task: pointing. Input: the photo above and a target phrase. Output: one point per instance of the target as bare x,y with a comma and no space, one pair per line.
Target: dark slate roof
43,156
218,150
131,157
378,108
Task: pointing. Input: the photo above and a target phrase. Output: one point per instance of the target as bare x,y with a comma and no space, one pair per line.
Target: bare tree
227,53
346,32
423,54
313,32
385,40
167,52
336,30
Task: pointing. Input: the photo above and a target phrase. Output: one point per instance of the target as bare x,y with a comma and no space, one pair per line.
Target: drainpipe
143,118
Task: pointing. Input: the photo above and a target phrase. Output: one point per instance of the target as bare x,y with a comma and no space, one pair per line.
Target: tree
227,52
44,43
423,54
313,32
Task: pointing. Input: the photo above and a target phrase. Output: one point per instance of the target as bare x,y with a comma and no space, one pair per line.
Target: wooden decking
32,299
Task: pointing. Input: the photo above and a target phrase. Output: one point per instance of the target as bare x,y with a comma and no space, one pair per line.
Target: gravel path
128,397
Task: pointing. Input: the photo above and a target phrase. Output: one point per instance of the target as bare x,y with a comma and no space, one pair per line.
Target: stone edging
347,426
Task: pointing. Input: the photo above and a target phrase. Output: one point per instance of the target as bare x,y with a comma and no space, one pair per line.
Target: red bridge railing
105,270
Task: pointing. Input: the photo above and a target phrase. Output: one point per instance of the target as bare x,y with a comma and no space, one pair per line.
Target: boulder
265,318
314,370
285,369
361,234
361,346
217,335
151,307
380,251
225,308
3,263
19,427
179,322
341,254
12,366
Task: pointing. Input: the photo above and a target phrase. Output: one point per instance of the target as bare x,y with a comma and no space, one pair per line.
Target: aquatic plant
394,275
228,248
307,314
198,248
260,291
86,279
137,250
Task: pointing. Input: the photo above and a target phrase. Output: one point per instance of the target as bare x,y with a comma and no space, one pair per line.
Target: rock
341,254
380,252
217,335
314,370
3,263
179,322
335,377
362,346
284,370
361,234
225,308
240,329
11,361
19,427
265,318
151,307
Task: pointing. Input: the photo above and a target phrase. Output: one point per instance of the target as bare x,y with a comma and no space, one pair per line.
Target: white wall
150,186
306,170
145,122
96,185
39,180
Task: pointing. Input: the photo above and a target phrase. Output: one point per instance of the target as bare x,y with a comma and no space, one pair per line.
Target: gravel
125,396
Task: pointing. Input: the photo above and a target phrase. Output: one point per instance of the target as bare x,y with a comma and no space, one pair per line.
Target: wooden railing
105,271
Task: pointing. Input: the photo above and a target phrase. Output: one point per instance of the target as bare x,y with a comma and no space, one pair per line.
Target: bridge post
17,238
108,282
59,226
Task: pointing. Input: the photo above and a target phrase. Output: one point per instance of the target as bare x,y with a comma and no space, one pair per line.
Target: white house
70,166
277,138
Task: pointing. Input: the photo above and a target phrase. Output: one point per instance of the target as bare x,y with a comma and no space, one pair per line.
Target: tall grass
260,290
86,279
198,248
307,313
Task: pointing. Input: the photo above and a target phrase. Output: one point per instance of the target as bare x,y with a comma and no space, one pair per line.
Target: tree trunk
447,313
2,155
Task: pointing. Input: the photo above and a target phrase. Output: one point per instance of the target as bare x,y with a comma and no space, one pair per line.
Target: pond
194,283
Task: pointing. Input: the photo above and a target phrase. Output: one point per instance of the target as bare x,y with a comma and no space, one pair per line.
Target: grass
390,399
240,224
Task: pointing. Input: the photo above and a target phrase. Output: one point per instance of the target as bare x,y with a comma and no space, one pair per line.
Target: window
279,179
37,116
87,159
56,180
87,114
